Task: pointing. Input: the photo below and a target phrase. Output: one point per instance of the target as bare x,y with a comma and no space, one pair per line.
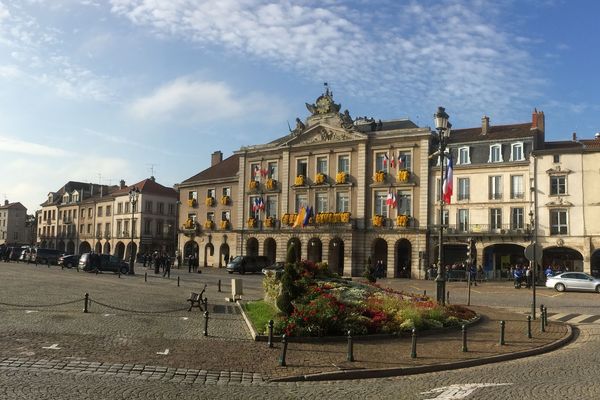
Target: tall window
495,153
464,156
254,172
344,164
380,207
342,202
322,165
517,216
225,216
301,167
119,230
558,184
99,212
404,202
210,193
272,169
210,216
516,152
301,201
108,210
161,208
192,216
252,210
322,202
226,191
463,188
495,218
495,187
516,187
107,229
271,206
558,222
556,158
379,161
119,209
404,161
148,208
193,195
463,220
98,229
147,227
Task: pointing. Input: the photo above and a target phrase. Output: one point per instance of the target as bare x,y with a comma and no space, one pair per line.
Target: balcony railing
517,195
490,229
495,196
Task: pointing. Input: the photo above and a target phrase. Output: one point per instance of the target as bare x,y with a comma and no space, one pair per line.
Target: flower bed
319,179
403,175
271,184
326,305
379,176
299,181
341,177
378,220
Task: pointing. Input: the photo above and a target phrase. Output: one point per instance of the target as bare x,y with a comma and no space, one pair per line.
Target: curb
389,372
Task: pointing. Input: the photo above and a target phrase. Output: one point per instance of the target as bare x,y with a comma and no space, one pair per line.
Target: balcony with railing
484,229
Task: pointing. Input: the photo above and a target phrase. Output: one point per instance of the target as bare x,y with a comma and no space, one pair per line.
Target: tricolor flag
393,162
400,161
261,204
385,160
256,171
389,199
448,182
394,202
307,216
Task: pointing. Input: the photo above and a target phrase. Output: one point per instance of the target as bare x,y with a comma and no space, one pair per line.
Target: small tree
369,272
289,289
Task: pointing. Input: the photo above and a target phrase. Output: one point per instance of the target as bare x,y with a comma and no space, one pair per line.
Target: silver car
573,281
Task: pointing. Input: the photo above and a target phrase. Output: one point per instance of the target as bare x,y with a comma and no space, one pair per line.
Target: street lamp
443,127
133,197
534,261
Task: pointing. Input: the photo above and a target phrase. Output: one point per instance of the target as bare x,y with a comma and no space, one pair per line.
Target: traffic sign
538,252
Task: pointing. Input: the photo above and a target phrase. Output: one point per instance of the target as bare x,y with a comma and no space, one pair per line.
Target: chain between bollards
502,324
413,350
205,323
283,351
529,327
270,342
464,339
219,286
350,356
86,300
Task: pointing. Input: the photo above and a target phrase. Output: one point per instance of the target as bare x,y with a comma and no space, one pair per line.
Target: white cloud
186,99
4,13
396,51
11,145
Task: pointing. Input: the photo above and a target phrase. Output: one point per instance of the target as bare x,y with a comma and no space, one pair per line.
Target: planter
192,203
251,222
299,181
320,179
269,222
379,176
224,224
209,201
403,175
225,200
209,224
378,220
253,185
341,177
271,184
402,220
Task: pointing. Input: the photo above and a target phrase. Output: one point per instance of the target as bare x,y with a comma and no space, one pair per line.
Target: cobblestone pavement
159,351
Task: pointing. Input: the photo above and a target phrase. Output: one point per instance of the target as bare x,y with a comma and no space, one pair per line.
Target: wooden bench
197,299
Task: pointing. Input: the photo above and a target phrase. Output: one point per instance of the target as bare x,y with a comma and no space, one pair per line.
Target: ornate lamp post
133,197
443,127
534,262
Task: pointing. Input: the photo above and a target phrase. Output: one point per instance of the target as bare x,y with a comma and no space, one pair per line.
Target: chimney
485,125
216,158
122,184
574,136
153,179
5,202
91,189
537,120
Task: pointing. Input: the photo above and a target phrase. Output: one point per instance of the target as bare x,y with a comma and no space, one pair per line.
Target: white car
573,281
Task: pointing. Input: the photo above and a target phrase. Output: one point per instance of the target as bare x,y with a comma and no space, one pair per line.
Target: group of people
160,261
475,273
522,274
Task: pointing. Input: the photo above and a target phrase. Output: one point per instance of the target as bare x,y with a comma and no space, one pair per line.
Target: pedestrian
528,277
480,274
518,275
167,269
190,263
473,275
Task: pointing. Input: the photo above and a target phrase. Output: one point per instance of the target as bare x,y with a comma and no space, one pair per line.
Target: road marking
30,311
53,347
163,353
577,320
107,315
558,316
459,391
184,318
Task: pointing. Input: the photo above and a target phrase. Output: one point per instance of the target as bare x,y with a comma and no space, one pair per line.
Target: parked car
573,281
46,256
243,264
68,260
275,268
92,262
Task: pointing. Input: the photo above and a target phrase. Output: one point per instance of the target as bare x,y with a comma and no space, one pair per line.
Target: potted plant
224,224
225,200
269,222
251,222
403,175
402,220
208,224
192,202
209,201
379,176
271,184
341,177
320,178
378,220
253,185
299,181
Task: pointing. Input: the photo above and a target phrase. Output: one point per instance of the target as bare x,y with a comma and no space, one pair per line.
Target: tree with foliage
369,272
289,290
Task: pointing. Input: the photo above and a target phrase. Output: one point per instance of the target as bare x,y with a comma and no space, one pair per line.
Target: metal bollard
502,324
541,311
145,277
448,297
545,316
529,326
205,323
177,281
270,342
464,339
424,292
413,351
85,302
205,303
283,351
119,274
219,286
350,356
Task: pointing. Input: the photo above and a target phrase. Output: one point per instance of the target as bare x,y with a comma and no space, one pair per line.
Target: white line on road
53,347
461,391
107,315
30,311
184,318
163,353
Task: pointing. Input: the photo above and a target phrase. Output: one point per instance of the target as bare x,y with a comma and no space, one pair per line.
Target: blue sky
99,91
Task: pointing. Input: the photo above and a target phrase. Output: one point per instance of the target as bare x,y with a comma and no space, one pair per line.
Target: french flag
448,182
385,160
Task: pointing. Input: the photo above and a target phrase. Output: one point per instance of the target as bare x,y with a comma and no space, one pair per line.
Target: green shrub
271,287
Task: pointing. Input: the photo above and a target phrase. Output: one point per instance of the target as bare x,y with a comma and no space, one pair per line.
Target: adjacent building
13,229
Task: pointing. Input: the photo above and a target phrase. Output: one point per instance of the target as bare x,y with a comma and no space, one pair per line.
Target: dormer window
495,153
464,156
50,198
65,198
516,152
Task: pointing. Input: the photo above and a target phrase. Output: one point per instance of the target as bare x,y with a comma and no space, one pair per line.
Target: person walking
167,264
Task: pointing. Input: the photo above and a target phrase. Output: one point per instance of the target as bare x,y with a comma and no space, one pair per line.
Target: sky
99,91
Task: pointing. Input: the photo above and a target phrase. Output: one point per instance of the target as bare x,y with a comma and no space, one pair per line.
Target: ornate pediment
324,134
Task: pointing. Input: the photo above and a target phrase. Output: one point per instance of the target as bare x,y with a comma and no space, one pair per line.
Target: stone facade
13,228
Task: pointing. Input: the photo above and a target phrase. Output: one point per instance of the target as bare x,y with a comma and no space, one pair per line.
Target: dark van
102,262
46,256
243,264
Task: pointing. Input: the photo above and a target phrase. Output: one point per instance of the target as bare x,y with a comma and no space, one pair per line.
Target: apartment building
13,229
491,199
208,212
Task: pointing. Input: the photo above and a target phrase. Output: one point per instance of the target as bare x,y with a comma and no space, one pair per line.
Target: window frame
559,227
493,147
460,151
494,194
347,163
462,193
555,189
513,147
379,199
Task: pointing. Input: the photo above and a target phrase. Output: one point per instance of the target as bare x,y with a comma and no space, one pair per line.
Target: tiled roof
227,168
13,205
495,132
147,186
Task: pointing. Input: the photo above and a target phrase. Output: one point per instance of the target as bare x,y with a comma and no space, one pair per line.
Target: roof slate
227,168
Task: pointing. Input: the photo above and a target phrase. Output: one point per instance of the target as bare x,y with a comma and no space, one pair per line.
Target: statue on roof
299,127
347,121
324,104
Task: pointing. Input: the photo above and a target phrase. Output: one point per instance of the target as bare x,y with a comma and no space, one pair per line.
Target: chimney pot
5,202
574,136
216,158
122,184
485,125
